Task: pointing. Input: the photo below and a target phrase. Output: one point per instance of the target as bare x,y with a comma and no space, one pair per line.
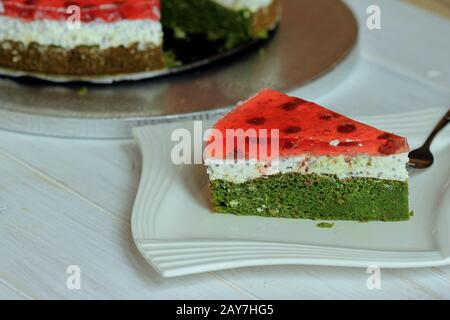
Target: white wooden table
68,202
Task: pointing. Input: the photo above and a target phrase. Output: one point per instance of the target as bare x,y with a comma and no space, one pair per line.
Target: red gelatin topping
305,127
90,10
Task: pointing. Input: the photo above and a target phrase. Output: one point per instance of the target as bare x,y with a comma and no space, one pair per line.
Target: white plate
177,234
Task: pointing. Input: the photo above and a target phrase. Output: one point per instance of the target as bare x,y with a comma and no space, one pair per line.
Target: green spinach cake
281,156
235,21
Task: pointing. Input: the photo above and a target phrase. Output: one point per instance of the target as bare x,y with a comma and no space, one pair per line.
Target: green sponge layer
317,197
207,17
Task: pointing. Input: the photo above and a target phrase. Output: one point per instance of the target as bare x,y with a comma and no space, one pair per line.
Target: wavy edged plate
177,234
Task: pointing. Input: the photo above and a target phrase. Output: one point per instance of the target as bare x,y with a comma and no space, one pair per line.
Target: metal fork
422,158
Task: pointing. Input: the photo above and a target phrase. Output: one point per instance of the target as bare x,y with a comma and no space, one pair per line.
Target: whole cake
118,36
317,164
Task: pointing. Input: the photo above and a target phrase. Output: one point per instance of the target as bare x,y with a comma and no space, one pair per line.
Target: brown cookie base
82,60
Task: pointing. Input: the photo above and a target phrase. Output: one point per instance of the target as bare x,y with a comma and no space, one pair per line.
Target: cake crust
114,37
81,60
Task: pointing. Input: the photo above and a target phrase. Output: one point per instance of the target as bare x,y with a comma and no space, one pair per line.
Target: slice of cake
281,156
113,37
234,21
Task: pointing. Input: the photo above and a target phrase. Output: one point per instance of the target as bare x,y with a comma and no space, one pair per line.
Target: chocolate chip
328,116
292,129
348,144
292,105
346,128
390,147
288,145
384,136
257,121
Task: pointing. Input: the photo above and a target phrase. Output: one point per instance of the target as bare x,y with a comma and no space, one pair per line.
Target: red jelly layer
306,127
90,10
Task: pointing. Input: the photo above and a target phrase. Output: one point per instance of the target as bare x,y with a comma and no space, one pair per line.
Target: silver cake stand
313,48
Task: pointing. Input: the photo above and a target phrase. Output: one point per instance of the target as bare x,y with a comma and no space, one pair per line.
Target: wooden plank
340,283
44,229
9,292
105,173
441,7
373,89
411,41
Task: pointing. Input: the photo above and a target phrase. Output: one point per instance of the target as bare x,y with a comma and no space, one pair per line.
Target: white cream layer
391,167
104,35
252,5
